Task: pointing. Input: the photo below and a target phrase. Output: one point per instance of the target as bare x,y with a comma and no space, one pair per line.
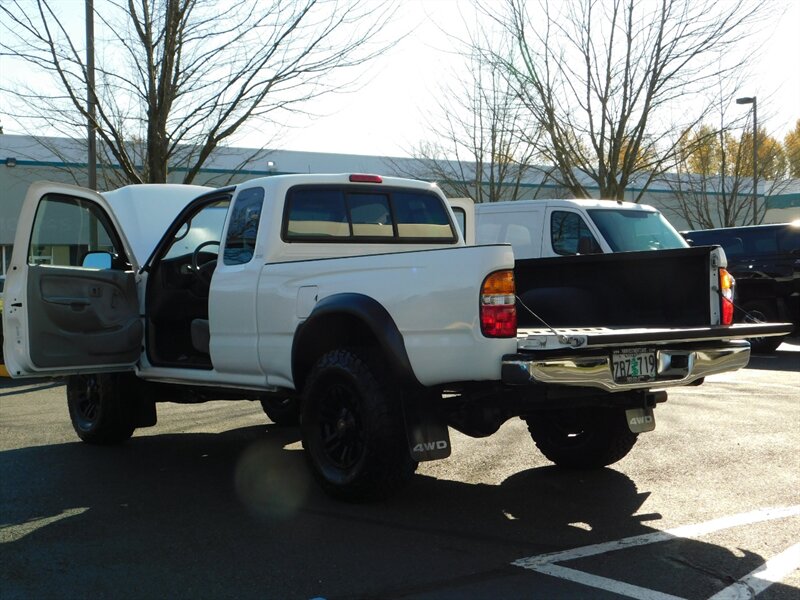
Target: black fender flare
369,314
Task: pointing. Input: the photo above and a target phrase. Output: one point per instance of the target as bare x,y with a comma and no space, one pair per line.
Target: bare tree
476,150
610,81
176,79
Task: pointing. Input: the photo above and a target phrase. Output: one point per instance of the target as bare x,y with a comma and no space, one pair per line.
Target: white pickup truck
351,304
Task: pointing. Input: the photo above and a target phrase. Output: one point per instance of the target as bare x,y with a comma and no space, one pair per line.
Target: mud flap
428,434
140,399
144,414
640,420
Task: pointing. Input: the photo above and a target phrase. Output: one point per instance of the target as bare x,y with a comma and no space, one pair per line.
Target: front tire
352,429
282,411
98,408
588,438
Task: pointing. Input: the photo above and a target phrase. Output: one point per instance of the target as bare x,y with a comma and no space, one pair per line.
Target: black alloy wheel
99,410
353,429
341,429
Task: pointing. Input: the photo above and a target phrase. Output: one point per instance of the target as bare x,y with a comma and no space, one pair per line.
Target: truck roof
587,203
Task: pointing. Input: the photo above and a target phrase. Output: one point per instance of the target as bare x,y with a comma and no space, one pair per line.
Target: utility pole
91,100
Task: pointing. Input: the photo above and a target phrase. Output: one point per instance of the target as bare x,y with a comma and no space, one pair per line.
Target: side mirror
97,260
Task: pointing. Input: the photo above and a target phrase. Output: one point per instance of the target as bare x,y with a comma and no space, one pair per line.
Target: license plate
632,365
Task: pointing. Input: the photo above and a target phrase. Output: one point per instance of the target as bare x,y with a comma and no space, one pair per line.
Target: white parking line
772,571
603,583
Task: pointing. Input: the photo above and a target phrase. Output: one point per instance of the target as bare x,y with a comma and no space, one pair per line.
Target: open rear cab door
71,302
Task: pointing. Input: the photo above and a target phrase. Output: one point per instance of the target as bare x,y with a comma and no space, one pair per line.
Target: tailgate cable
573,341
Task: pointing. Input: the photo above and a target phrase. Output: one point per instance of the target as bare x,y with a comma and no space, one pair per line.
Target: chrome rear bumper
677,366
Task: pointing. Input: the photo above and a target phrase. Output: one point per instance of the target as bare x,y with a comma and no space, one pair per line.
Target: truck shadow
785,358
11,387
236,514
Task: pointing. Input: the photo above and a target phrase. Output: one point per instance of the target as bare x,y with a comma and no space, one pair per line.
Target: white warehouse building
25,159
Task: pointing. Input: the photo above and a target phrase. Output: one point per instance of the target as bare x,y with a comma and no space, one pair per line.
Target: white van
563,227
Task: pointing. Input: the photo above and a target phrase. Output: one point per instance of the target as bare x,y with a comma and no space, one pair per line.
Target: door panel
78,315
60,316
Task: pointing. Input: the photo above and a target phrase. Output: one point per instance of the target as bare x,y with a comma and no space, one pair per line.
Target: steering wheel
205,270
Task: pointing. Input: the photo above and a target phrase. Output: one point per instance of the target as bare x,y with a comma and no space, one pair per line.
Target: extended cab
350,304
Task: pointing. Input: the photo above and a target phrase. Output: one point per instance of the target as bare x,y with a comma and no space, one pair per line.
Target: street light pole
752,100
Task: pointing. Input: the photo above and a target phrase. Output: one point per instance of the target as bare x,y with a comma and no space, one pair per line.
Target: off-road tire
99,409
353,430
588,438
282,411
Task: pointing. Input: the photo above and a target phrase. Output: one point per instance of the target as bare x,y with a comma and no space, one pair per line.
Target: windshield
632,230
205,226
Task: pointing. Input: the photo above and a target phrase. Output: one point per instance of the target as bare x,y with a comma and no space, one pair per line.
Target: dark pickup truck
765,260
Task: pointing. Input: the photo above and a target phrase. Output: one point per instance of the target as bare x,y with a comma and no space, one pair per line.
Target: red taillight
361,178
726,285
498,305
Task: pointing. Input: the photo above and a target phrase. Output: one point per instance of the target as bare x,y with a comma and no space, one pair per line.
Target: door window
461,220
569,234
240,241
67,229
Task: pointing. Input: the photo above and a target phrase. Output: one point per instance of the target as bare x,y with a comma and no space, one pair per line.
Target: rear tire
98,408
353,430
588,438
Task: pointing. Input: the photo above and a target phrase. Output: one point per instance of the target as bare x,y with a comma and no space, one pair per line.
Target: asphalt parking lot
215,502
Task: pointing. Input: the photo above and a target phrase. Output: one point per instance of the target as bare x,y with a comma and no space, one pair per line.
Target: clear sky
387,115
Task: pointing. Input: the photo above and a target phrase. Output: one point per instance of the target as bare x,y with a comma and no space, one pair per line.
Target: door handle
73,302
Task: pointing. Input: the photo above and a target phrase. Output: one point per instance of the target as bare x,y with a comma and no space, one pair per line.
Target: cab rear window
359,214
